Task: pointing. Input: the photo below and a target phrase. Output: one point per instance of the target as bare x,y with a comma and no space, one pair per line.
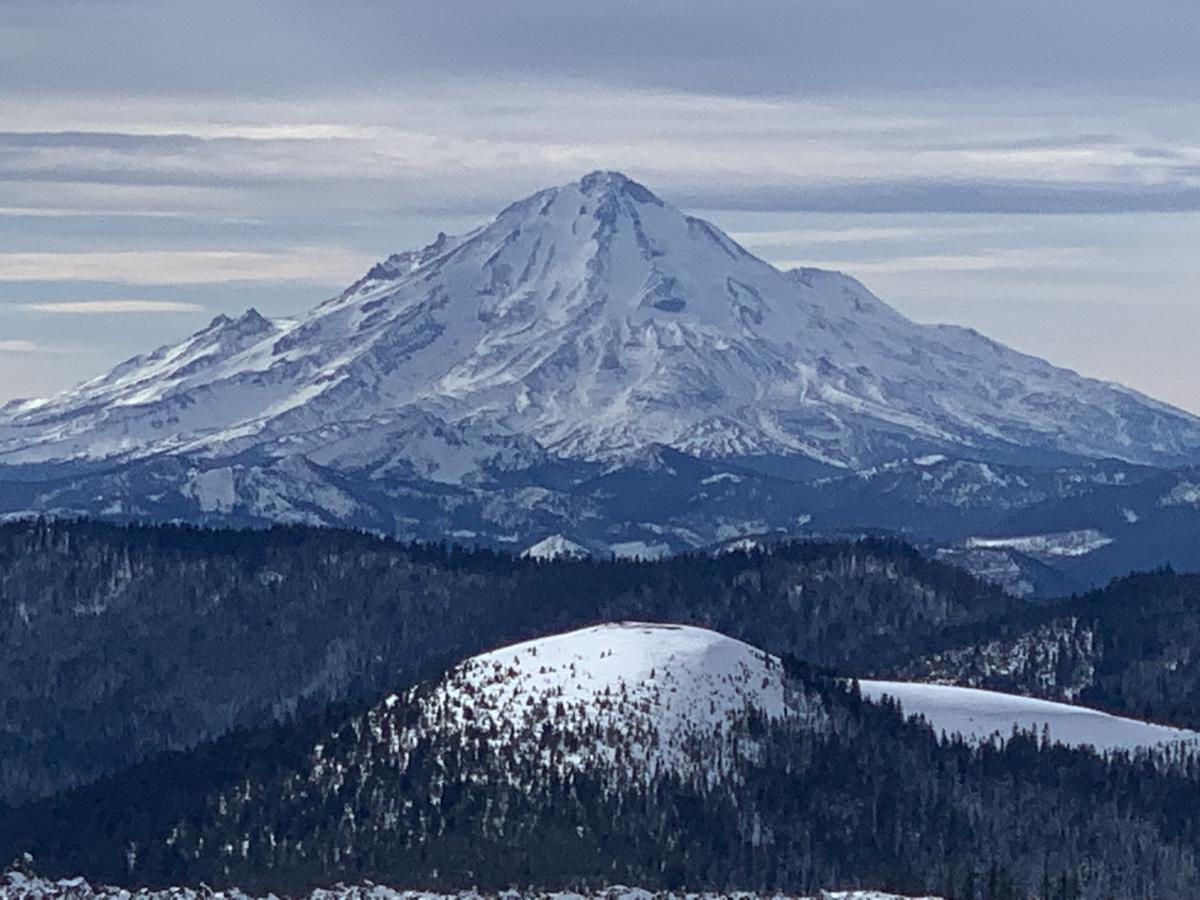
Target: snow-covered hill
556,546
594,319
636,753
652,693
983,715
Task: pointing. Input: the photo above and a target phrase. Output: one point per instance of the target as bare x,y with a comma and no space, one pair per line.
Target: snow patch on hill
557,546
741,545
693,674
657,695
981,715
1059,544
1186,493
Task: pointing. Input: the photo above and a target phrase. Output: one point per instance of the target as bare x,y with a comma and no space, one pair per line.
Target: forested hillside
247,671
1133,648
116,643
849,794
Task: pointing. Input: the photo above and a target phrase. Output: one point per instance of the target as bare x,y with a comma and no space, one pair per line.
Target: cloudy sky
1027,167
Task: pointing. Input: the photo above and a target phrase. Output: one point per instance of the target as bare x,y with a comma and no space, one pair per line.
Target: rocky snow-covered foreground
983,715
17,886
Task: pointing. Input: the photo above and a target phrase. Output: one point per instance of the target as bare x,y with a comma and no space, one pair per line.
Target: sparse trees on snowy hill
860,798
117,643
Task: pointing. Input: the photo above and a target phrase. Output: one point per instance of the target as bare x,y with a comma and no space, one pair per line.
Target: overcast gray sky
1028,167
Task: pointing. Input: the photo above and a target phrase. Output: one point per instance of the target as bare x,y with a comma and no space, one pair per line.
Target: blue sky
1028,168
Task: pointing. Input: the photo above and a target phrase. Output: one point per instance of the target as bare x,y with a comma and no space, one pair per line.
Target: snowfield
616,701
691,675
981,715
557,546
647,693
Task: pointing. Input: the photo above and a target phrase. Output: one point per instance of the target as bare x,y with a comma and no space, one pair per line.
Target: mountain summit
596,320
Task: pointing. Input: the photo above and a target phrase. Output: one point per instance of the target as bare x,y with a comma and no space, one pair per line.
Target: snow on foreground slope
982,715
638,695
596,319
16,886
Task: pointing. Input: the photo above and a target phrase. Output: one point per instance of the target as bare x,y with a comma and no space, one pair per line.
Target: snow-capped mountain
597,366
595,319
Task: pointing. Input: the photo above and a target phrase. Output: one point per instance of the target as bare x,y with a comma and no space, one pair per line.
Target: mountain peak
617,184
249,322
253,320
557,546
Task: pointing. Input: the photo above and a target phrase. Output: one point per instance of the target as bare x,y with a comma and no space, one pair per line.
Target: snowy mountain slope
595,319
654,502
1099,528
407,443
982,715
495,505
416,477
